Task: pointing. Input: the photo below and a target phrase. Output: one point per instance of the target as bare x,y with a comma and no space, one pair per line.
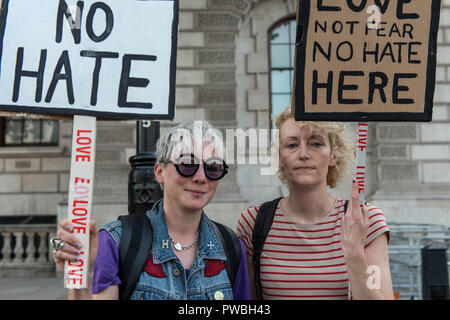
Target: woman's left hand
355,224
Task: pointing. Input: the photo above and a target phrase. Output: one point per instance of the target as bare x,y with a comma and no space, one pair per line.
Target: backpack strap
135,244
232,246
346,206
261,229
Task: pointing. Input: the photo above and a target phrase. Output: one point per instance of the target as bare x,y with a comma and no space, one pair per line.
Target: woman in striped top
315,250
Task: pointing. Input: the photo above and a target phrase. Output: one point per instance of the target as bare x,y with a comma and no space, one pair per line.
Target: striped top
305,261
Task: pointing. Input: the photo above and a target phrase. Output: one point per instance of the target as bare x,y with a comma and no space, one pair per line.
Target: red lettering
80,221
81,189
79,229
361,186
83,131
82,180
77,264
83,140
362,140
86,150
82,197
360,178
75,280
79,211
81,158
77,202
76,272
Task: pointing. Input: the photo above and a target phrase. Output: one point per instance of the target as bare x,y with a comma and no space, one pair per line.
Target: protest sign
365,60
113,59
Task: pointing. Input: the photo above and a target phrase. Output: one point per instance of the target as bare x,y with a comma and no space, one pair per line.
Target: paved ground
32,289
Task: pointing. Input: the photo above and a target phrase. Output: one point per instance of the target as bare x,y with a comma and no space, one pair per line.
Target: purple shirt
106,268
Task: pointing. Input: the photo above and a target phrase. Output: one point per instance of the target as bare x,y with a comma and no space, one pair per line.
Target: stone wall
33,180
413,159
408,163
222,76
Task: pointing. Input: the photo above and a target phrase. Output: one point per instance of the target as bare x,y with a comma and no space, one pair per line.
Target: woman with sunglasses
187,257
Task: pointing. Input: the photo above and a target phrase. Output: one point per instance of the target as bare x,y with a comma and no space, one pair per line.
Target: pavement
50,288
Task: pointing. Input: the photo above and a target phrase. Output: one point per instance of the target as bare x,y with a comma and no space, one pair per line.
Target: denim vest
164,278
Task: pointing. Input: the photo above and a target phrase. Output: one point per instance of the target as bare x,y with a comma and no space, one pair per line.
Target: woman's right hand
72,247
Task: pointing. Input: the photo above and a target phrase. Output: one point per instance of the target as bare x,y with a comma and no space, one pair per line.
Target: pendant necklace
178,246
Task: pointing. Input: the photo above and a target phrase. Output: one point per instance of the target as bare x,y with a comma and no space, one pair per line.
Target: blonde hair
339,144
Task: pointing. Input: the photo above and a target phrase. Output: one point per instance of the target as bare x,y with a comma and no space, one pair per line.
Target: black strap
261,229
135,244
232,247
345,206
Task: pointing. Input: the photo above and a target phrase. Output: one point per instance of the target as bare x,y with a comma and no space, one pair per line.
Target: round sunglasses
187,165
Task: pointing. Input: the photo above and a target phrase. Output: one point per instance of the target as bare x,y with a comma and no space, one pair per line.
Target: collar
209,245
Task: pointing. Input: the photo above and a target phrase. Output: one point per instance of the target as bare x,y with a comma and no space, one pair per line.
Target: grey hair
190,135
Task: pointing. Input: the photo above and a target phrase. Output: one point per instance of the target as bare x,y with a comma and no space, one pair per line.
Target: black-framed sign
112,59
366,60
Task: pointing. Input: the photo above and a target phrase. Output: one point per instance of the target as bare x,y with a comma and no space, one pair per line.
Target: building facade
234,69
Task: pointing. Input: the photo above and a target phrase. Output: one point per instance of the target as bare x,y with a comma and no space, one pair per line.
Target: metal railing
405,255
24,249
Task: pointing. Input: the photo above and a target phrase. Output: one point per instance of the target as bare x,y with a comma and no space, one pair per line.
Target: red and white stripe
305,261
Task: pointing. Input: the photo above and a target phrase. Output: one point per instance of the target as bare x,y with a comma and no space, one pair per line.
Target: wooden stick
80,197
360,168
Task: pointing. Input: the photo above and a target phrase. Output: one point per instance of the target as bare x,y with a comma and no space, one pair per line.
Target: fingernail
365,203
78,245
76,252
353,181
69,228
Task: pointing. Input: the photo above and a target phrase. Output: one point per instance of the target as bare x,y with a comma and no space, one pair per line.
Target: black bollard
143,189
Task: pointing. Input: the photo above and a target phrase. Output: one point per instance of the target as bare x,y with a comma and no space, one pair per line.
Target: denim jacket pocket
143,292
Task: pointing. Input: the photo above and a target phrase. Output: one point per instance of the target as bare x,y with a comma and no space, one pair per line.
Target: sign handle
80,197
360,168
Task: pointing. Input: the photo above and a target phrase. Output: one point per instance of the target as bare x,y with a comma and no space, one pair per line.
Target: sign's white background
140,27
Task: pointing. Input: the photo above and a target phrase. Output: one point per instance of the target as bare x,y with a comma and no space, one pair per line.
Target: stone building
234,57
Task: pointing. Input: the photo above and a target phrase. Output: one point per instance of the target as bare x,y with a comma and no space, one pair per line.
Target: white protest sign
111,59
81,188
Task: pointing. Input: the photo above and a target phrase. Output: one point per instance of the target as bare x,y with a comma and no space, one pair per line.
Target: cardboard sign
366,60
113,59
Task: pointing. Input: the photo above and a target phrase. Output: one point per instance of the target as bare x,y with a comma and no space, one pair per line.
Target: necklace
178,246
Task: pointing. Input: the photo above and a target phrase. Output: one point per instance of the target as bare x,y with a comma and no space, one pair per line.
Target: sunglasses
187,165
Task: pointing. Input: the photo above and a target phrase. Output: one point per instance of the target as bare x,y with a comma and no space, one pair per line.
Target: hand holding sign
75,57
72,248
